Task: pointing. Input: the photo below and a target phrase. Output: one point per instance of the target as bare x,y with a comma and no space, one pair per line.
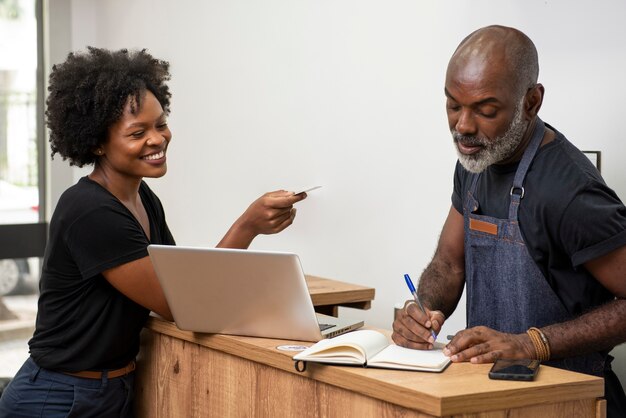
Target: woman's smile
155,158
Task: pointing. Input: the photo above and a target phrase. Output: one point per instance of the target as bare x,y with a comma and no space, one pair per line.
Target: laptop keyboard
325,326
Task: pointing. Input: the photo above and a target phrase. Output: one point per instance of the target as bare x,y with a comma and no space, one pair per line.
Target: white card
307,190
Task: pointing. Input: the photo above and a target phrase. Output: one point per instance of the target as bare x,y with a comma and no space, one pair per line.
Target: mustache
469,140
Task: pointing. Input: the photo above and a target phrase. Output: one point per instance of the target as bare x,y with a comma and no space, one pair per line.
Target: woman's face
137,142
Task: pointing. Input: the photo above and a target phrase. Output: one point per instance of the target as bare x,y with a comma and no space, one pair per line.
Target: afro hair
88,93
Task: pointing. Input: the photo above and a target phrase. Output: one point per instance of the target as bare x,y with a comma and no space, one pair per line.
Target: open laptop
241,292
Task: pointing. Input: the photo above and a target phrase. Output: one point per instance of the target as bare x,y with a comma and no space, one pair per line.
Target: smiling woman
136,148
98,285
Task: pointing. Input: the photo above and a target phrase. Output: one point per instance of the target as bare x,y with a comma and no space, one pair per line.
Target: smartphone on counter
514,369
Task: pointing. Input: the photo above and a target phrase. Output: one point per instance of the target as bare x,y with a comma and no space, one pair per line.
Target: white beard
493,151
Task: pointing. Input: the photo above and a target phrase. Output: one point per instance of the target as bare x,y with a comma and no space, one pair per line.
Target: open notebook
241,292
371,348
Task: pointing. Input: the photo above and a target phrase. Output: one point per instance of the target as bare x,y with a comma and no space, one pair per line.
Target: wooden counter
182,374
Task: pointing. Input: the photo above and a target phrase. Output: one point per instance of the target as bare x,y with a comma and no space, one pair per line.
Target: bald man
534,233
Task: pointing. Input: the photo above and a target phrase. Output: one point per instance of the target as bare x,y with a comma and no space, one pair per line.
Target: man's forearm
597,330
441,286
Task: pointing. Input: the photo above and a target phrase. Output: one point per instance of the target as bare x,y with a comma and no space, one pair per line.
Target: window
22,230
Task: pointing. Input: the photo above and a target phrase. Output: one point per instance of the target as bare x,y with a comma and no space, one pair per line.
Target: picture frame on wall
595,158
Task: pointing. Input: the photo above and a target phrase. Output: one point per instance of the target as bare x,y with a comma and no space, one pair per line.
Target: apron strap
517,190
472,188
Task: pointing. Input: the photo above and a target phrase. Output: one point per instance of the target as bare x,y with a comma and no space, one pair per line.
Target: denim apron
506,290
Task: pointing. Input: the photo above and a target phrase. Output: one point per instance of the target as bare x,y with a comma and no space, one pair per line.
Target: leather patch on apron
483,226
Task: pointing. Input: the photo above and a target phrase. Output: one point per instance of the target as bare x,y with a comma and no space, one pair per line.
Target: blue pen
409,283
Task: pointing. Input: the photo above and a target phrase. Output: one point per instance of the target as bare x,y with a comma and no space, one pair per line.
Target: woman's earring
99,152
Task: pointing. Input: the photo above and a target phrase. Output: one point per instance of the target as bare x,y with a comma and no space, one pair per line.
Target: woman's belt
92,374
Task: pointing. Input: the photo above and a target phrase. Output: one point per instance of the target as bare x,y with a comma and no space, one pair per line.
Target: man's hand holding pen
416,326
412,327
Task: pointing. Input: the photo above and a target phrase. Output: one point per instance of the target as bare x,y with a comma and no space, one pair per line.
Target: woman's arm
269,214
137,280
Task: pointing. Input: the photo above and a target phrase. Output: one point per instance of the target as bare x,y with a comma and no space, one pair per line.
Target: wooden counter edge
346,378
332,292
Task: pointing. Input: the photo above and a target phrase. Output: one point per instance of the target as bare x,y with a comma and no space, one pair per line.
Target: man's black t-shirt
568,216
83,323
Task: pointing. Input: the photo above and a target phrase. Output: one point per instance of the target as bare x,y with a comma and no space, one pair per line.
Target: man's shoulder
561,175
562,164
564,152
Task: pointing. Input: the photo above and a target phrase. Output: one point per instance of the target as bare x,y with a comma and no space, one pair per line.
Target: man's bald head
502,49
492,96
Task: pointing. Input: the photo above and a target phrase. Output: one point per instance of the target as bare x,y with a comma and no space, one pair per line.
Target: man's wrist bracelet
540,342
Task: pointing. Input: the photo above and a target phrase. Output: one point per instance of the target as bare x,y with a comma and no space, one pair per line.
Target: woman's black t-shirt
83,323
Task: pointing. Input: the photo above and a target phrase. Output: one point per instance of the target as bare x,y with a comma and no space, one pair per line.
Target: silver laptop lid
240,292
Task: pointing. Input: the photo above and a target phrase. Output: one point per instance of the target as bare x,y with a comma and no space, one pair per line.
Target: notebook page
352,344
419,359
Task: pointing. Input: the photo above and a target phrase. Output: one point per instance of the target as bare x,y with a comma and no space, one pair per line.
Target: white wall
348,94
